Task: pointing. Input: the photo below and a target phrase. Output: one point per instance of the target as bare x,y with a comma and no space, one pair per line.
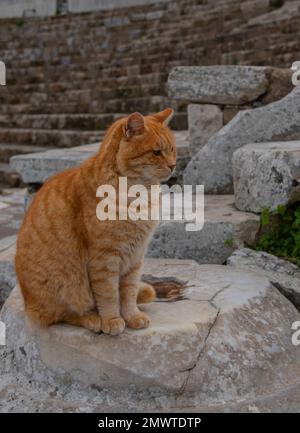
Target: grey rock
224,229
7,270
228,340
212,166
204,121
218,84
266,175
38,167
281,273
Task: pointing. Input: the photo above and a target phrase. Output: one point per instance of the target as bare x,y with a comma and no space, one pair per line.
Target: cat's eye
157,152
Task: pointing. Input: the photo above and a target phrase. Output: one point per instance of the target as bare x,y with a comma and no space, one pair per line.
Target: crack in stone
190,369
217,293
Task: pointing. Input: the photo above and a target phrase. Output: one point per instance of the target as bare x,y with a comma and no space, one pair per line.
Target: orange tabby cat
75,269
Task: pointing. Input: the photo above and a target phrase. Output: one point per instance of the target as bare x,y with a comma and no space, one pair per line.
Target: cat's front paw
138,321
113,326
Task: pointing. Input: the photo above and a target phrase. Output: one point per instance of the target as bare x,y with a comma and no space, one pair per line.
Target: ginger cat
74,268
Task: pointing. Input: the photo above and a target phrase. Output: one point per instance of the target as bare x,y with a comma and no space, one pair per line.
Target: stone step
80,121
193,339
49,137
225,229
14,108
37,167
108,79
7,150
191,41
143,104
85,95
77,121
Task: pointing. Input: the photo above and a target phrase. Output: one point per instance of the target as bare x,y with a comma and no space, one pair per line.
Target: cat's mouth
167,175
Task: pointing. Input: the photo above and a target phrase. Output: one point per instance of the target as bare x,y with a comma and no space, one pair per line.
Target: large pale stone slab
218,84
39,166
266,175
204,121
21,8
212,165
225,228
282,274
227,338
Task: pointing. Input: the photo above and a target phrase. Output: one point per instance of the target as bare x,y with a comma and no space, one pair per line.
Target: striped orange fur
75,269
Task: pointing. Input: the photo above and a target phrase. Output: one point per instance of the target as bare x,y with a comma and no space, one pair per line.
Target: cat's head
147,150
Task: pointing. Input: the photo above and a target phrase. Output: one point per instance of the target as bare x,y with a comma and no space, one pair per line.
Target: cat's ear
164,116
135,125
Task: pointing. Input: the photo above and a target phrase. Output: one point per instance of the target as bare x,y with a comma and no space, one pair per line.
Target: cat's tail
146,294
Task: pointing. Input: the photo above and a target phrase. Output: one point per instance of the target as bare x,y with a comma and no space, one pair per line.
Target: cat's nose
172,166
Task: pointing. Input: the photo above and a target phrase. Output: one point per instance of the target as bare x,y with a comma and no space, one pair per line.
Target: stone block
224,229
204,121
21,8
227,338
266,175
218,84
212,165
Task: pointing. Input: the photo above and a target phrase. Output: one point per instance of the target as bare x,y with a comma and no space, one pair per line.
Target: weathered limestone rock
37,167
281,273
224,229
204,121
227,339
218,84
7,271
266,175
212,166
